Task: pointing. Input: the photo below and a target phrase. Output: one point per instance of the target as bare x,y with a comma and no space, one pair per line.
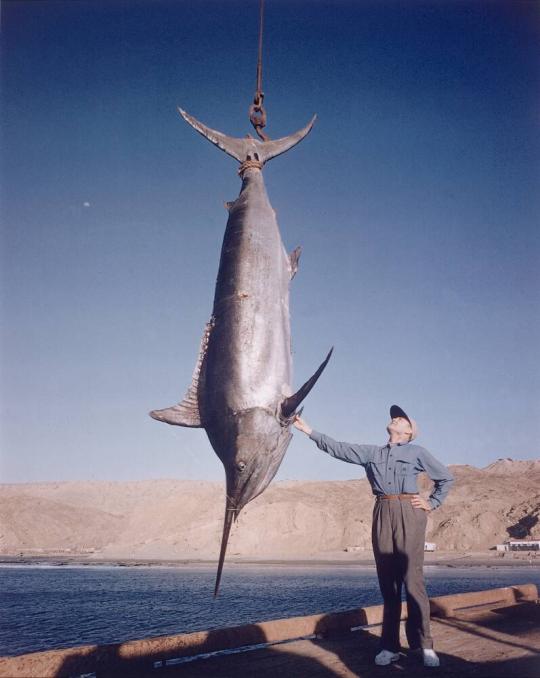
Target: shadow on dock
350,655
487,634
326,655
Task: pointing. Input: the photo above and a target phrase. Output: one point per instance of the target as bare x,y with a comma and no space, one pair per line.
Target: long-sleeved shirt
391,469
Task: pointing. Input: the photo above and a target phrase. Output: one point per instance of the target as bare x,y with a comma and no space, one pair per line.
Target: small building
524,545
519,545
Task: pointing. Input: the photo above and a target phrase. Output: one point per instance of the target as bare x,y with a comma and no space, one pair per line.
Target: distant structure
519,545
428,546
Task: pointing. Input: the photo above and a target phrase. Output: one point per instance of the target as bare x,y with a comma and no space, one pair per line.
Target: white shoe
430,658
386,657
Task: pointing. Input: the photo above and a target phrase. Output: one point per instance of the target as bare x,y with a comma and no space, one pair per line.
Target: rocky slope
183,519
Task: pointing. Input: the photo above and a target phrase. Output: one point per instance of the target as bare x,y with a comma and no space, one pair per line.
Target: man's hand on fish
301,425
419,502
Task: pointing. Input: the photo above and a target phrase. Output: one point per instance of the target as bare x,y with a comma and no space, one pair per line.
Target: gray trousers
398,535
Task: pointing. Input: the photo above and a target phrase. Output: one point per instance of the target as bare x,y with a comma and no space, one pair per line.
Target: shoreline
441,559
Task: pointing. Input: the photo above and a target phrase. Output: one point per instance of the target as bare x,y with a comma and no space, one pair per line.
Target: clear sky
415,199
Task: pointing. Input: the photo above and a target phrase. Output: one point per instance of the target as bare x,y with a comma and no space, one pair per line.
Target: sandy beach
450,559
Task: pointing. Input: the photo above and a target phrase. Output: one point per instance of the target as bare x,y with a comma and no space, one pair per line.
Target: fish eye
241,465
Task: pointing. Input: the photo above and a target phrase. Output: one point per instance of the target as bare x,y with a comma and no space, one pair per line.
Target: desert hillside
183,519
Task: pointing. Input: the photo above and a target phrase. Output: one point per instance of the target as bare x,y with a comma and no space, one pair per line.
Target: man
399,525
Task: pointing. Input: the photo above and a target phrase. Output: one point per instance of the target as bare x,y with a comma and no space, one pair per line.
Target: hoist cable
257,114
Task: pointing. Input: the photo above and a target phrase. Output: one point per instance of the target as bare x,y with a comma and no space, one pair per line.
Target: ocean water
43,608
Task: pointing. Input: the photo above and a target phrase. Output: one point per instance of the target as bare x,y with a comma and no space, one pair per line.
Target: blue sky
415,199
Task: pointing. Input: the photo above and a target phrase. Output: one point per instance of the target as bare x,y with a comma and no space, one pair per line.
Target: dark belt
396,496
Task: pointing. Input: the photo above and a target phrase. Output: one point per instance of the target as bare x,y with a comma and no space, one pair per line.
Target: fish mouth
239,496
231,514
242,489
233,505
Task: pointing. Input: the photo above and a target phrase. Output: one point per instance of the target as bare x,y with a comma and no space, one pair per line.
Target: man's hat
396,411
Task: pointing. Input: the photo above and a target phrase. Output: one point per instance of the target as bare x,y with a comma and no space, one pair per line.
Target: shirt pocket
404,468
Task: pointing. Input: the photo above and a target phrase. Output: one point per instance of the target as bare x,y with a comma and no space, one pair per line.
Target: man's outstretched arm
349,452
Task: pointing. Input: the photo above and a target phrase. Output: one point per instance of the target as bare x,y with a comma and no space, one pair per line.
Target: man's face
399,425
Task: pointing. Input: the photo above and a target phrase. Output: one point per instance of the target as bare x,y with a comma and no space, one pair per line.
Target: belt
396,496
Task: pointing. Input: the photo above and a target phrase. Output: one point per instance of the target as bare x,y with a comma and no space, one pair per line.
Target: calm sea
49,607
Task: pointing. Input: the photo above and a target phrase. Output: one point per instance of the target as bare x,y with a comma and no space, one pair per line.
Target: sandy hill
183,519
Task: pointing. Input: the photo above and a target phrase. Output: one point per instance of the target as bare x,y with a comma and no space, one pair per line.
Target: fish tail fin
273,148
234,147
248,148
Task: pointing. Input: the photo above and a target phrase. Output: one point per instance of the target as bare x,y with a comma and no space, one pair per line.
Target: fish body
247,371
241,391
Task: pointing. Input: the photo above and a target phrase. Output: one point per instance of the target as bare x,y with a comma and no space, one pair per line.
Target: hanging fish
241,388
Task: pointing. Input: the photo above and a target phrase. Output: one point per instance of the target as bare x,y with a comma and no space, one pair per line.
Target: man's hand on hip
419,502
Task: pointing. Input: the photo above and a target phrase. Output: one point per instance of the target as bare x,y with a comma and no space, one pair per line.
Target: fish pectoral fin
294,257
186,412
289,405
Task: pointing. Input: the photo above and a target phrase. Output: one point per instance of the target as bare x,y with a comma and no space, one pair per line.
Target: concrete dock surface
495,643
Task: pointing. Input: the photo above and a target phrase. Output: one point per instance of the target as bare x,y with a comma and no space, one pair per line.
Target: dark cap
396,411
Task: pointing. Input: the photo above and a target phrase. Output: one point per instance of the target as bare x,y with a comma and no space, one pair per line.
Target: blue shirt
391,469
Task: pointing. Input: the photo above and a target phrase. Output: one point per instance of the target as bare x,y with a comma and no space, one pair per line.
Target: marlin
241,390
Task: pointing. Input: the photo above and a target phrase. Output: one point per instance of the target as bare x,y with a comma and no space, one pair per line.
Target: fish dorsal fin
294,257
186,412
289,405
249,148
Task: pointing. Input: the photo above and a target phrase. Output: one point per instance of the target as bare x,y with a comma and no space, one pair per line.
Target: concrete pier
486,633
